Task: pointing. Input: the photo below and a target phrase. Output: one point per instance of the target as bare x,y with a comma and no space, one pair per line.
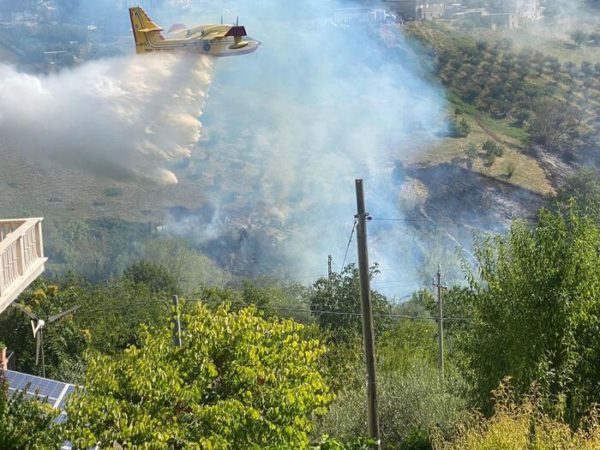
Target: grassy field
551,40
34,188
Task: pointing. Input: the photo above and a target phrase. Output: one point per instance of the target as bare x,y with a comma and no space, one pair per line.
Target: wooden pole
367,313
440,322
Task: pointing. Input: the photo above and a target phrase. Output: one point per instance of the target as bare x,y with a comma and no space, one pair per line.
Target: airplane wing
215,35
220,32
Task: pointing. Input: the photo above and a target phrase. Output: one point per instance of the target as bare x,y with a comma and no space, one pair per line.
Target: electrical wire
397,219
124,307
348,246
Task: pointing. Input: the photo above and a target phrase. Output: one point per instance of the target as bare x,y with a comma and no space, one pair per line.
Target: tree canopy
238,381
536,310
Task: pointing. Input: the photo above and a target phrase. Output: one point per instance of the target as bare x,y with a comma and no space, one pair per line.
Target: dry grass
522,426
527,173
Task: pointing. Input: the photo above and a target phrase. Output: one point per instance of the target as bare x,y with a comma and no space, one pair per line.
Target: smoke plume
290,127
120,118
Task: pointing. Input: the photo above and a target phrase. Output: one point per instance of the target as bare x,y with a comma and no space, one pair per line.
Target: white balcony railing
21,257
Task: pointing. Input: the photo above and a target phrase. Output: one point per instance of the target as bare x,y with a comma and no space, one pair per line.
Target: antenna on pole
221,19
367,313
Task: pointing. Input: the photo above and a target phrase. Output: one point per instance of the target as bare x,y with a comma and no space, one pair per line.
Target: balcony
21,257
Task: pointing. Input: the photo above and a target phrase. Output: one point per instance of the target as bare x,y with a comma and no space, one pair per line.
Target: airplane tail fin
145,31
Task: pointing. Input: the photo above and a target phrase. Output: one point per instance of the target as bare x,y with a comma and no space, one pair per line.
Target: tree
63,342
463,128
492,148
189,268
459,129
155,276
578,37
521,117
554,123
337,305
238,381
584,188
472,152
25,423
108,321
535,311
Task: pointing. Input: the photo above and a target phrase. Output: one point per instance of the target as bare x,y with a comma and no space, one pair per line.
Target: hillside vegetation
524,100
272,365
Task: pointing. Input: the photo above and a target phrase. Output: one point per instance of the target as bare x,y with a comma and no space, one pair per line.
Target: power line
348,246
398,219
122,307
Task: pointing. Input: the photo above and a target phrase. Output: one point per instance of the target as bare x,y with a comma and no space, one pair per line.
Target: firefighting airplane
214,40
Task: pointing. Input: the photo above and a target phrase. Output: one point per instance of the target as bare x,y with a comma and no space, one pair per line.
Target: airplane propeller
37,327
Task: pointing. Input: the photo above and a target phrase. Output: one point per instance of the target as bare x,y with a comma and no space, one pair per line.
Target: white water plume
121,118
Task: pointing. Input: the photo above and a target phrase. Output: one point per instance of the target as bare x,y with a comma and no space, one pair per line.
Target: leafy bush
342,295
492,148
472,151
155,276
25,423
578,37
459,129
411,405
511,168
535,308
238,381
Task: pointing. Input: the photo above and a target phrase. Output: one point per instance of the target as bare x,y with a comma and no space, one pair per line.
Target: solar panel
51,391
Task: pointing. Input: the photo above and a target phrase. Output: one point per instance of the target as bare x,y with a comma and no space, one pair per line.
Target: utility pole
176,323
440,322
367,314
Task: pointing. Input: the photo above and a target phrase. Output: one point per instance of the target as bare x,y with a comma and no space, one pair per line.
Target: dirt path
494,136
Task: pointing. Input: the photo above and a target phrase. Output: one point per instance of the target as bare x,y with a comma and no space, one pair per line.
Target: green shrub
511,168
26,423
237,381
410,407
491,148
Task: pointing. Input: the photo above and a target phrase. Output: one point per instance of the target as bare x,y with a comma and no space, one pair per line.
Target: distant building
417,9
13,12
362,15
500,20
522,11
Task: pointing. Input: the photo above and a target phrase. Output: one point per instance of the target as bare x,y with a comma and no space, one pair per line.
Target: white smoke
122,117
289,128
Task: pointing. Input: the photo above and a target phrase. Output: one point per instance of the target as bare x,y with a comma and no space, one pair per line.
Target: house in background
513,13
417,9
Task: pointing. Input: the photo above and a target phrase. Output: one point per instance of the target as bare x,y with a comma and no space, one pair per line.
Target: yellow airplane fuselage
214,40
